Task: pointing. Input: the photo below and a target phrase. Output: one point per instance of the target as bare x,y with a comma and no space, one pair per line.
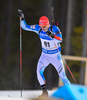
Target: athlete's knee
64,79
40,67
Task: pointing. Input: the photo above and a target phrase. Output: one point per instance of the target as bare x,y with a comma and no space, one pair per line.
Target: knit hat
43,20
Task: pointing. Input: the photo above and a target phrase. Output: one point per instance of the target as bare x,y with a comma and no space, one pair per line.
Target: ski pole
20,58
65,63
53,22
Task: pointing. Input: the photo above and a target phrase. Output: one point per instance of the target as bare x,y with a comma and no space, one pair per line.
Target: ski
39,98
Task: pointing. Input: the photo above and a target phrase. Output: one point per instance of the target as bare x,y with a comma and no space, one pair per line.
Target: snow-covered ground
16,95
11,98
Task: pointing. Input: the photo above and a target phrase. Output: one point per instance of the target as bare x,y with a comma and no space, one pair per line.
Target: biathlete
50,54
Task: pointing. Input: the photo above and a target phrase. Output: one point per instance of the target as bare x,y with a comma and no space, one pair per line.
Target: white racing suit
49,54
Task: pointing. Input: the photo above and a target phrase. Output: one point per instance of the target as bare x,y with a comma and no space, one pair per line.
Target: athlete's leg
62,74
42,64
40,70
58,64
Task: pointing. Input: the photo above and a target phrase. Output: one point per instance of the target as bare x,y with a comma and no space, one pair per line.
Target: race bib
48,44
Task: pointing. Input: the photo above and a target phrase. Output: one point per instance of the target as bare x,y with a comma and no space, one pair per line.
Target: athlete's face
45,27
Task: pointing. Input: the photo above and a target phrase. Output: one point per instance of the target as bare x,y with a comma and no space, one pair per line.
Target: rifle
53,21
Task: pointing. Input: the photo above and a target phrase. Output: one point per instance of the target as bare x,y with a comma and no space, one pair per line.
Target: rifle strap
40,30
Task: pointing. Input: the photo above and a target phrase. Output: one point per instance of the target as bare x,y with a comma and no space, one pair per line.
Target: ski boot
44,92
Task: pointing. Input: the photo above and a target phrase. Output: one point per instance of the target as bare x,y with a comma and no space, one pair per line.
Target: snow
16,95
10,98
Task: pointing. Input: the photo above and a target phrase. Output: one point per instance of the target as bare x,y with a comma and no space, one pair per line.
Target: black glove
20,14
50,33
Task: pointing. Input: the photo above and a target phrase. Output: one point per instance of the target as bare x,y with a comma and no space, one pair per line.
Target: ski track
16,95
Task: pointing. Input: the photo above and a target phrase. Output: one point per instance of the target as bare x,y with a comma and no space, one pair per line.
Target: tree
69,26
8,34
84,40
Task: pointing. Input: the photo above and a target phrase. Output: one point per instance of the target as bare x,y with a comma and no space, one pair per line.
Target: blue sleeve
34,28
57,30
60,35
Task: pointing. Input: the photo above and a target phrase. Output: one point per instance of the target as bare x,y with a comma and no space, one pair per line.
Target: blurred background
71,16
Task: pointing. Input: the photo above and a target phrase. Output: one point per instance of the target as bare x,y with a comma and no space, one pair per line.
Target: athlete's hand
50,33
20,14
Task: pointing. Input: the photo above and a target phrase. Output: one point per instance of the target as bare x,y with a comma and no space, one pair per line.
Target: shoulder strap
40,30
57,32
51,27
